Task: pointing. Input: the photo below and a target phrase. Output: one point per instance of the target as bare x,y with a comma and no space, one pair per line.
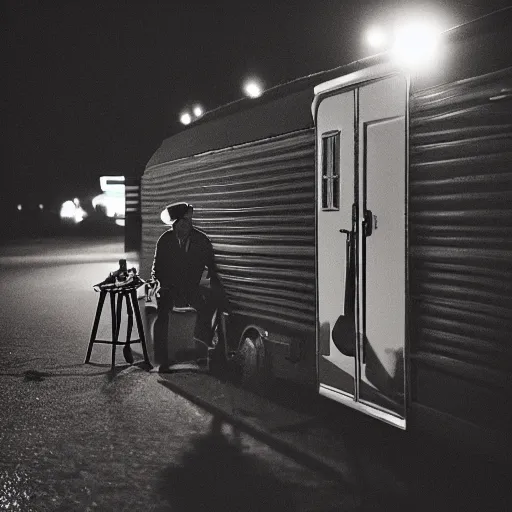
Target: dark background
94,87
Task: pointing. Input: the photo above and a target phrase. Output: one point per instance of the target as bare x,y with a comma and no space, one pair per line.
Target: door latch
369,222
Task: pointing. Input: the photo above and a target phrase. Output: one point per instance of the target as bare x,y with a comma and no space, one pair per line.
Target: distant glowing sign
112,184
113,206
113,198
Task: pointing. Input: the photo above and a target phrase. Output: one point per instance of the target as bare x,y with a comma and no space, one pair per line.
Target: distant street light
253,89
19,207
186,118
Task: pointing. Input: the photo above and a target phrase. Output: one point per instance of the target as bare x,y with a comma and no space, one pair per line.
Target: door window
331,171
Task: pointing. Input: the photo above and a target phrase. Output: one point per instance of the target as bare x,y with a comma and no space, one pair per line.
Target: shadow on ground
216,475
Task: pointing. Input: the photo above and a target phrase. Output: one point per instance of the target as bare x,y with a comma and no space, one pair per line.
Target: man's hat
175,211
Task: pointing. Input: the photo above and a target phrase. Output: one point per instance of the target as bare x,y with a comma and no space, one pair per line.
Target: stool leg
140,326
119,310
116,323
129,310
127,350
94,331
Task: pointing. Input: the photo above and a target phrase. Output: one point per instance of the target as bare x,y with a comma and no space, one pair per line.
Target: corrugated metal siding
256,204
461,228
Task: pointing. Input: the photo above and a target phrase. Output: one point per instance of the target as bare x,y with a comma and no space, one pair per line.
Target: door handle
346,232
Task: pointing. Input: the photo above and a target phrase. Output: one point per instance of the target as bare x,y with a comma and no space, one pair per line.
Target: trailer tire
252,361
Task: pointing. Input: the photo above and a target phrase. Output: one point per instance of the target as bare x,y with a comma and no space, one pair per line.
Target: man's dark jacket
182,267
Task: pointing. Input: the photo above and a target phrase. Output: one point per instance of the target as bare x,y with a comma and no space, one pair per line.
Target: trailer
361,220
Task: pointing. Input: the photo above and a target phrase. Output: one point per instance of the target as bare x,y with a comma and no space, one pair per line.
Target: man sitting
181,255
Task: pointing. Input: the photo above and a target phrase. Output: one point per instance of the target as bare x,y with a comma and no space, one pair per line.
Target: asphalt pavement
76,437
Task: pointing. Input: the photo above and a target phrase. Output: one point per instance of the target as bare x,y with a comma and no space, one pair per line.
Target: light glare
72,210
253,89
416,44
376,37
186,118
198,111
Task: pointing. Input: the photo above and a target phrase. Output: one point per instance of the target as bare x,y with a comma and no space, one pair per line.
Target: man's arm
215,282
156,263
210,263
159,258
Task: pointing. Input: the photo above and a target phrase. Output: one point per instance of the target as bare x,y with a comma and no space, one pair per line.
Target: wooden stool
130,294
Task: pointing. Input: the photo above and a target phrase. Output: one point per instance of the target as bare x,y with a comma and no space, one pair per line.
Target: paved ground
75,438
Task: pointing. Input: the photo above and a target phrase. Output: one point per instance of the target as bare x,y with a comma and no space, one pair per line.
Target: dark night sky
93,87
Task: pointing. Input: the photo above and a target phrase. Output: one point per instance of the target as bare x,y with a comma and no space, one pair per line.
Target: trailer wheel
251,360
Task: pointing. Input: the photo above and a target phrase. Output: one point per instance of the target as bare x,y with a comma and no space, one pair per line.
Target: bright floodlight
70,210
376,37
416,44
253,89
198,111
186,118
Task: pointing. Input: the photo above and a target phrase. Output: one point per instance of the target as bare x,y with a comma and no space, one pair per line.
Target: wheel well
253,332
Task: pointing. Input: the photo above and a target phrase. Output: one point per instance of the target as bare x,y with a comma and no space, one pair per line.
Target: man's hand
152,289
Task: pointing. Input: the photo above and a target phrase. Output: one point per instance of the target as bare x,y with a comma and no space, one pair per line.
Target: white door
361,247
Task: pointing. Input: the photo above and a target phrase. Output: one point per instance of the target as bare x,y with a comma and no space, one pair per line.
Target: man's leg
205,308
161,328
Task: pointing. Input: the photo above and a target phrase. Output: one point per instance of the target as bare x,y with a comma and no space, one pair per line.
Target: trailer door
361,247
